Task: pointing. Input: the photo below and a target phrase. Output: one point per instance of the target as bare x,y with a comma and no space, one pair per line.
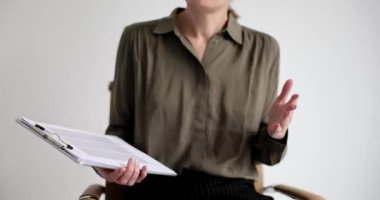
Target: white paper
94,149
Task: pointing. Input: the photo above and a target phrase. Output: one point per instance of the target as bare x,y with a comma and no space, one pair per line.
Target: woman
197,91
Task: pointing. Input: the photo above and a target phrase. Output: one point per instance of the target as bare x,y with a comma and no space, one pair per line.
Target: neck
198,24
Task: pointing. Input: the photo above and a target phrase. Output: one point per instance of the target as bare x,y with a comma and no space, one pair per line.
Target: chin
208,5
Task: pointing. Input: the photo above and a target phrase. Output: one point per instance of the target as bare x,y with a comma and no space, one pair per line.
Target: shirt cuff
264,140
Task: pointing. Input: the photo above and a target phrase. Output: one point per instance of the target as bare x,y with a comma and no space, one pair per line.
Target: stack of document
92,149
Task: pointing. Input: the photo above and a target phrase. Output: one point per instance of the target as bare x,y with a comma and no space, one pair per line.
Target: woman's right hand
128,175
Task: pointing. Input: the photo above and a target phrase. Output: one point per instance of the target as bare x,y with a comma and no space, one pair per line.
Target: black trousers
189,185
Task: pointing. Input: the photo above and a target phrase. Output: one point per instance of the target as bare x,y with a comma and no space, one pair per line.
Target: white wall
56,58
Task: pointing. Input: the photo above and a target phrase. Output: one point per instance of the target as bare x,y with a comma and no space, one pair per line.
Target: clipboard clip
59,143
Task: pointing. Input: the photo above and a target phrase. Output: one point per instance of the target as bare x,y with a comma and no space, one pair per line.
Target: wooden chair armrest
92,192
296,192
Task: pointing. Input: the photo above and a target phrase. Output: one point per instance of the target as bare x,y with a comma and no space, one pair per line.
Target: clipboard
92,149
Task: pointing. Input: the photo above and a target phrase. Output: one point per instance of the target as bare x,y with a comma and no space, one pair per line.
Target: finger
135,175
290,118
113,176
285,90
123,180
143,174
292,104
286,117
286,120
101,171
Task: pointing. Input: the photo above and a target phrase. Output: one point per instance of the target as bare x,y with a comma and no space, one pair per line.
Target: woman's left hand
281,112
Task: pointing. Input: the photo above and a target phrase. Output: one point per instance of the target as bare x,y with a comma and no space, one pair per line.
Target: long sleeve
122,92
266,149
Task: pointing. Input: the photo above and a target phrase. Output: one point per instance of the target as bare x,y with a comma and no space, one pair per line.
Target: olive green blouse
208,114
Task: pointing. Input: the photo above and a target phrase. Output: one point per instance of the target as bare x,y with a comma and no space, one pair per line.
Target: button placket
201,109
